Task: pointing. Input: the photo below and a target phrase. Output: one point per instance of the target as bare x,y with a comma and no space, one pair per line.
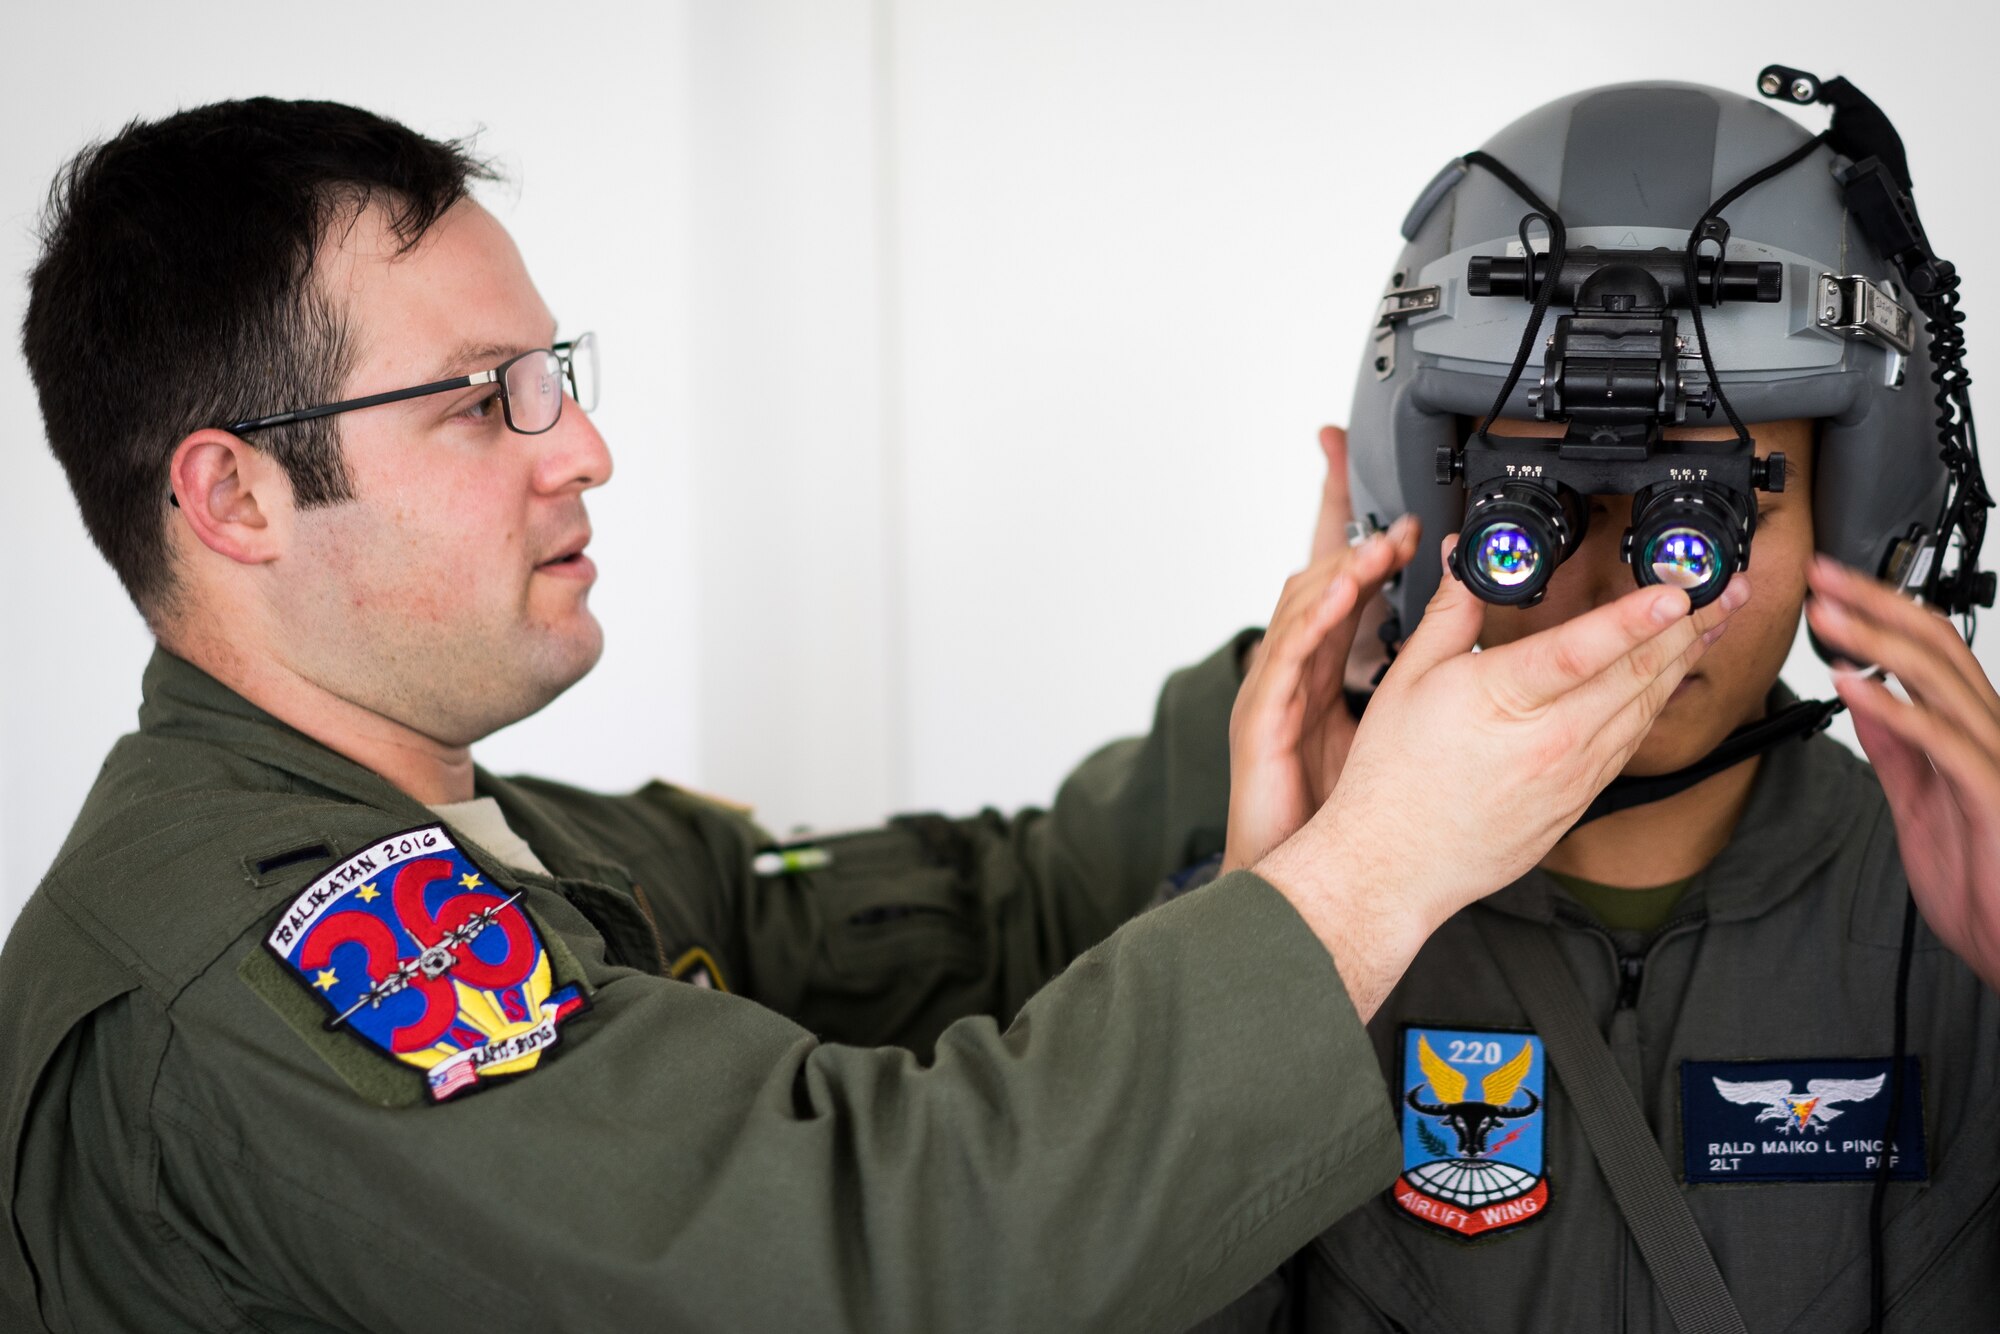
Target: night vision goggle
1612,373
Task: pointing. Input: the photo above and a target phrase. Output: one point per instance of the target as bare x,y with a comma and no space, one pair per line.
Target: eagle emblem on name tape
1838,1129
1797,1113
411,948
1472,1165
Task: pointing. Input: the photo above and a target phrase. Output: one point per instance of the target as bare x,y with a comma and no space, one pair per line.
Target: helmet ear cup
1876,472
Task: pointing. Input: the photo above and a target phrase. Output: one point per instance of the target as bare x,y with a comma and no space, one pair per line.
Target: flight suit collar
178,699
555,839
602,888
1801,808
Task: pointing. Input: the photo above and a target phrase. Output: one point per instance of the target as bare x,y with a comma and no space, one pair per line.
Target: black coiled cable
1966,496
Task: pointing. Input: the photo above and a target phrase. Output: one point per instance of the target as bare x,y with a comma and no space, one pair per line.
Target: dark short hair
175,291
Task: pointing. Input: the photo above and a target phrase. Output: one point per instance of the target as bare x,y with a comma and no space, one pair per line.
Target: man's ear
234,498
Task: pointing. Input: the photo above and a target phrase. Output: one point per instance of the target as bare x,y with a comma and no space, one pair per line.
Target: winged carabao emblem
1472,1120
1795,1113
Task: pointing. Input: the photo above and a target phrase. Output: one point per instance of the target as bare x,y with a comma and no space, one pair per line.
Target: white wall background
964,358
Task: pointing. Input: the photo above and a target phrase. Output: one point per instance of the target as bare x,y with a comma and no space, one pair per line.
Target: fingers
1451,624
1971,769
1384,553
1647,675
1308,612
1903,768
1546,666
1635,710
1336,509
1315,612
1870,622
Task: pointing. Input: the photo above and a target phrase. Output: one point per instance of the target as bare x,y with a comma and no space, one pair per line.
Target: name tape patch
411,948
1798,1120
1472,1121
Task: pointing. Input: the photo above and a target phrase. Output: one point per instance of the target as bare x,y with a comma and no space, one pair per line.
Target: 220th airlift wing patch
411,948
1472,1161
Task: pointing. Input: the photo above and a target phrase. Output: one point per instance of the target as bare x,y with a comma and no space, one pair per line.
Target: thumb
1336,509
1452,620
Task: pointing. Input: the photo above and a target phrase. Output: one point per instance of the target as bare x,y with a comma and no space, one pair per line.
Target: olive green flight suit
1784,949
1078,1129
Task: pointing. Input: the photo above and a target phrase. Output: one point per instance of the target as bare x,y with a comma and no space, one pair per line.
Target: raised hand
1938,755
1468,767
1291,728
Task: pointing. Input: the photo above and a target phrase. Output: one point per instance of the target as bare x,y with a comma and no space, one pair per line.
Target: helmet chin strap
1791,723
1794,722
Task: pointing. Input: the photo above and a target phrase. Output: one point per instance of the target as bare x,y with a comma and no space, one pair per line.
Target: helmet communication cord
1877,188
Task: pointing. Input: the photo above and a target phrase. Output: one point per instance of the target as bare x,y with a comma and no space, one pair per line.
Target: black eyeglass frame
563,352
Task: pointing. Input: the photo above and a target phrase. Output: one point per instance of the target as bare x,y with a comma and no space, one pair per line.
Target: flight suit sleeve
932,919
1180,1110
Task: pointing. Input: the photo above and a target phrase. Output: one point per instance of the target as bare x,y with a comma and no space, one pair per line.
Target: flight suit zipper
1631,973
1634,1299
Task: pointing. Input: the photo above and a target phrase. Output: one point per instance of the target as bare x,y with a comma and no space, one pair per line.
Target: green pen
791,861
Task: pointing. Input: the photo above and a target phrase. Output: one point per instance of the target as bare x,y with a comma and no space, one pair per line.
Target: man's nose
1601,554
574,455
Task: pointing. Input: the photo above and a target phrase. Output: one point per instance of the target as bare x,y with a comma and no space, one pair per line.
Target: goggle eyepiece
1692,537
1512,541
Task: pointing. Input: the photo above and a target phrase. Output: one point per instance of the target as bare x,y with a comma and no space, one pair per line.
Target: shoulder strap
1641,1182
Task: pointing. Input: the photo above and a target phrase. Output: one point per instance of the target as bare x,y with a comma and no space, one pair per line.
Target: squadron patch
1798,1120
1473,1164
410,947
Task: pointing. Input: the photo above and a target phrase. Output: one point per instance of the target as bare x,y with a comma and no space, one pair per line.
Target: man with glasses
316,1025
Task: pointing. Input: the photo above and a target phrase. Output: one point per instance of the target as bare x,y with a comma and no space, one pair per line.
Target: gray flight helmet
1634,166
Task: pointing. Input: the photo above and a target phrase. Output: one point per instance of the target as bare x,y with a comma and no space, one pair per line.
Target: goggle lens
1683,558
1507,555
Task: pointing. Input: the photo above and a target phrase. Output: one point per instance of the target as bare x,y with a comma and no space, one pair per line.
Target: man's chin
571,660
556,666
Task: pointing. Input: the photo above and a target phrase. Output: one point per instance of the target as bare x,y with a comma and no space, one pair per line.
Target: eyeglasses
530,389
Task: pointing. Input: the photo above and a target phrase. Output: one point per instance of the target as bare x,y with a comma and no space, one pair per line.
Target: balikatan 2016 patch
413,949
1473,1114
1823,1120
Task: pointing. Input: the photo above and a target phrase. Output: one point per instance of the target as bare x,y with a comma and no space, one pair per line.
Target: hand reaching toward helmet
1937,755
1469,766
1291,728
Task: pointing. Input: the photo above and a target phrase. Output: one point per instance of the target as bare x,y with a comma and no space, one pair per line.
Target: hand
1468,767
1938,756
1290,729
1336,512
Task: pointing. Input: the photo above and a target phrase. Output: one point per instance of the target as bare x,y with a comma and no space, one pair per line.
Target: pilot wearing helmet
1726,1058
